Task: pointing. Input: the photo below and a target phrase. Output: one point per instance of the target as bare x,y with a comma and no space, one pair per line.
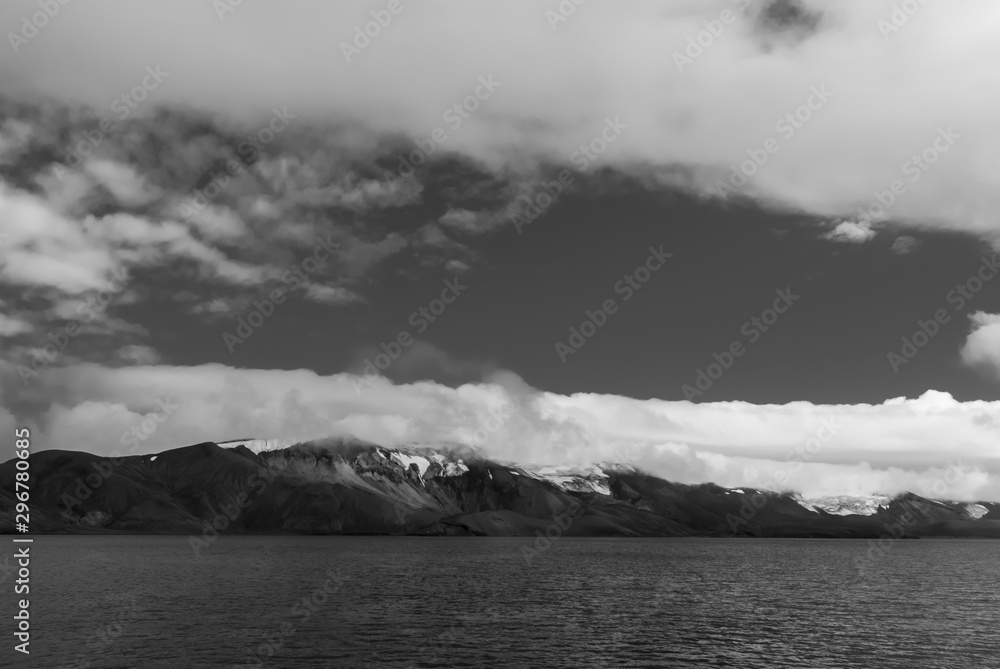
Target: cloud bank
699,96
901,444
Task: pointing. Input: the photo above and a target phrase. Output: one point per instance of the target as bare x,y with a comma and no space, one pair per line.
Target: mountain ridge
348,486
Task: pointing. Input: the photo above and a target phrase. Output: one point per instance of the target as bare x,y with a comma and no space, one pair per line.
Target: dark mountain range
351,487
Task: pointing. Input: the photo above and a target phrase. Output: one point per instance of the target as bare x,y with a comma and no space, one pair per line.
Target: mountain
343,486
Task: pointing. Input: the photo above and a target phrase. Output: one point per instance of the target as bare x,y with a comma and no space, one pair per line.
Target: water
141,601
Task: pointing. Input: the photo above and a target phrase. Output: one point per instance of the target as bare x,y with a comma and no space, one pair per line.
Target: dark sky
855,302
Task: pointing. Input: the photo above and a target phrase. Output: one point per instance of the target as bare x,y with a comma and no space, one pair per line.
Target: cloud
891,93
851,233
358,256
136,223
423,360
47,249
331,294
460,219
904,245
123,182
861,449
139,355
44,248
12,326
981,349
219,224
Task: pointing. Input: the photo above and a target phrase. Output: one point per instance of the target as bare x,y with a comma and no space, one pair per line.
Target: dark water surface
114,601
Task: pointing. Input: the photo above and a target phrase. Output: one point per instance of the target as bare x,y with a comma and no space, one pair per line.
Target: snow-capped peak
847,505
590,479
423,459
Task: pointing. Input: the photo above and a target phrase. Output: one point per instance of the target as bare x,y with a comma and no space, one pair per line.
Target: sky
716,239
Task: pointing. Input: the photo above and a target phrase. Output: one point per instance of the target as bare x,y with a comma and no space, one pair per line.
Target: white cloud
460,219
982,346
137,354
219,224
904,245
331,294
44,248
11,326
851,232
899,444
14,137
890,95
47,248
122,181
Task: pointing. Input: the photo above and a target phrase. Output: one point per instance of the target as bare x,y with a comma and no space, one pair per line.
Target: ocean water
293,601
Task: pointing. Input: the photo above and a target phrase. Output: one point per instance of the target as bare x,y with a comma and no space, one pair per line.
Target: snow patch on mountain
422,463
590,479
976,511
847,505
449,467
423,458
